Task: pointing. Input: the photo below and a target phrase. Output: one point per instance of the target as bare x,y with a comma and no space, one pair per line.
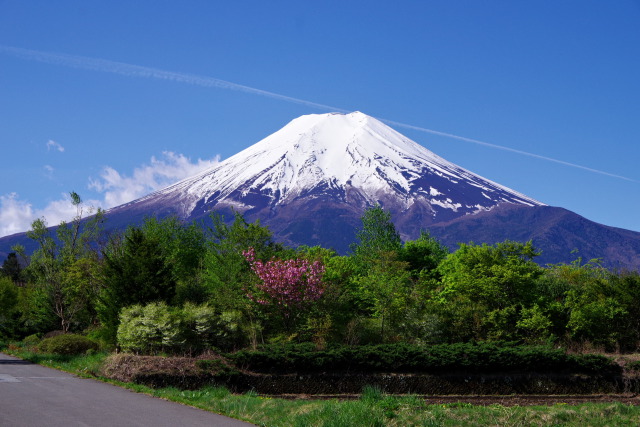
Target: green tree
385,291
11,268
226,272
599,306
423,255
376,236
8,306
135,271
484,288
377,233
183,247
51,262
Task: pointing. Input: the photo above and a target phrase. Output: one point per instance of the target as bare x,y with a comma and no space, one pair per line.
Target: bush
31,340
462,357
216,366
156,328
67,344
149,329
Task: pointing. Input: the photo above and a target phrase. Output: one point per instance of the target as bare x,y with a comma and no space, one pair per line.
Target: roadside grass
84,366
373,408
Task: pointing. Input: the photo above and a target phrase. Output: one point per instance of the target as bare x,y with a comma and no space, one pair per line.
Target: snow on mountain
311,181
350,158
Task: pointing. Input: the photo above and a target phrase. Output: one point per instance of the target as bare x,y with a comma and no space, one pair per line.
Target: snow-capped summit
344,158
311,181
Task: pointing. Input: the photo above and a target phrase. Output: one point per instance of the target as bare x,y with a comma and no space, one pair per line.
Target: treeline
170,287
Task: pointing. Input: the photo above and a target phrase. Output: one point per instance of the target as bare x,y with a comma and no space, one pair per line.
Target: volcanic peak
348,157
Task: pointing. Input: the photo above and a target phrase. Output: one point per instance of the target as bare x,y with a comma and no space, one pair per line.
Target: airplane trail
130,70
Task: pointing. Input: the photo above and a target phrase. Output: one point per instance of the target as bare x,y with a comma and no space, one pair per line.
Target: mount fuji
311,181
350,159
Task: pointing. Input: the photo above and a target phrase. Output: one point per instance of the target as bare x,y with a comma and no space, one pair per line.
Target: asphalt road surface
32,395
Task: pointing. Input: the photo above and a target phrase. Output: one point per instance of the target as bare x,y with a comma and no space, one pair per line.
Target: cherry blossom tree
288,284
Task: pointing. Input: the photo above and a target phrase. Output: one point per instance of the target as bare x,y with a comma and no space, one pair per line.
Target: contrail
503,148
130,70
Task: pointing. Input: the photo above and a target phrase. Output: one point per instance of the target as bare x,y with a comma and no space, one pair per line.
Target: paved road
32,395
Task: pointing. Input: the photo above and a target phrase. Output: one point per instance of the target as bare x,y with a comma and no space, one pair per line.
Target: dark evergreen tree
11,269
135,271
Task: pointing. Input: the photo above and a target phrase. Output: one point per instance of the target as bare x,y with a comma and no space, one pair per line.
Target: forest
165,287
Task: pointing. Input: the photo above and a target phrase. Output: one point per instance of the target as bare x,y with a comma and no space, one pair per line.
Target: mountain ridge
353,157
311,180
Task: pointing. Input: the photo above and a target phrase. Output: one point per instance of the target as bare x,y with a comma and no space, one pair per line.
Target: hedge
460,357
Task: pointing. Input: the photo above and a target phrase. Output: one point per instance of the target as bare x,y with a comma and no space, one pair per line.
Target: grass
373,408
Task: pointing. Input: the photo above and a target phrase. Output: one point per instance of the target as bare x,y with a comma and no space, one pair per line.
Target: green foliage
157,328
226,272
149,329
183,249
55,266
8,297
485,287
460,357
8,307
204,328
31,340
11,268
385,290
183,245
599,308
67,344
377,235
535,325
423,256
136,270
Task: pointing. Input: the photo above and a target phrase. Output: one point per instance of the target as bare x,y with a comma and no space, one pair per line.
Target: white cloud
160,173
16,215
52,144
48,171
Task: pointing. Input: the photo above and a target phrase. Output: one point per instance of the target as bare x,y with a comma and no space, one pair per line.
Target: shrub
149,329
204,328
461,357
216,366
31,340
67,344
156,327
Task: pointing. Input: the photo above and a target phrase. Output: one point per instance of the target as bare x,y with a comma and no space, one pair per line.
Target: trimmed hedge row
402,358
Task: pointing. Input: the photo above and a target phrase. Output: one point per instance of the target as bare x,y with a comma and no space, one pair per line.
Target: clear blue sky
559,79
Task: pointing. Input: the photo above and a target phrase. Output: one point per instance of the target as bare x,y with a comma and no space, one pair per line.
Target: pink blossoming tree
286,284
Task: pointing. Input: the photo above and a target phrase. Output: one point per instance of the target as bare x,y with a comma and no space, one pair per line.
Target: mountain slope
555,231
350,159
311,181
